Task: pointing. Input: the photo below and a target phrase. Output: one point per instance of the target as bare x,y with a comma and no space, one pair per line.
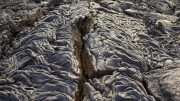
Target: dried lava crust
89,50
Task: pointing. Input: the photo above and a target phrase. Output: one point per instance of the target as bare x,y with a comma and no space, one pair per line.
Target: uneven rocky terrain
89,50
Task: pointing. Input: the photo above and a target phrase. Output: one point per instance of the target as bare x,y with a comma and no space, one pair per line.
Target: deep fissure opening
80,29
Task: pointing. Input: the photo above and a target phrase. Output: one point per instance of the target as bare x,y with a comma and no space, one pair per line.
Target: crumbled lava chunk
89,50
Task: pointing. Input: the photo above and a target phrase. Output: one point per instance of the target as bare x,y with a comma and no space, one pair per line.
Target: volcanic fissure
80,29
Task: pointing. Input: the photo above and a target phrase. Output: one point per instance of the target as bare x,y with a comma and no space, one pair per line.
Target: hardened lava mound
89,50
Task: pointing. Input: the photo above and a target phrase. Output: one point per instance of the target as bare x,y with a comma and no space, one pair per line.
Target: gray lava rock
89,50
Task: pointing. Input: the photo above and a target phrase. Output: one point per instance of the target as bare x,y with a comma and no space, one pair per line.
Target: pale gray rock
124,84
163,84
89,50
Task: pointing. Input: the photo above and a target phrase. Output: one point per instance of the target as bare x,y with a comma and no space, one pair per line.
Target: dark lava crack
81,28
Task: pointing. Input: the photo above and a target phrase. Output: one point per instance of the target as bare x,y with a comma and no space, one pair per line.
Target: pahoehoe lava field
89,50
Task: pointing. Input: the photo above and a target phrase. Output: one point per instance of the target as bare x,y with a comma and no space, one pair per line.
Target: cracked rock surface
89,50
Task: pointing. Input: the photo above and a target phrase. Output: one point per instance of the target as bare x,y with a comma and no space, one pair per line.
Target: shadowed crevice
80,29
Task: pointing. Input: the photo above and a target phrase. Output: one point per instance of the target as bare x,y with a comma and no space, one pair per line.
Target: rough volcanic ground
96,50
